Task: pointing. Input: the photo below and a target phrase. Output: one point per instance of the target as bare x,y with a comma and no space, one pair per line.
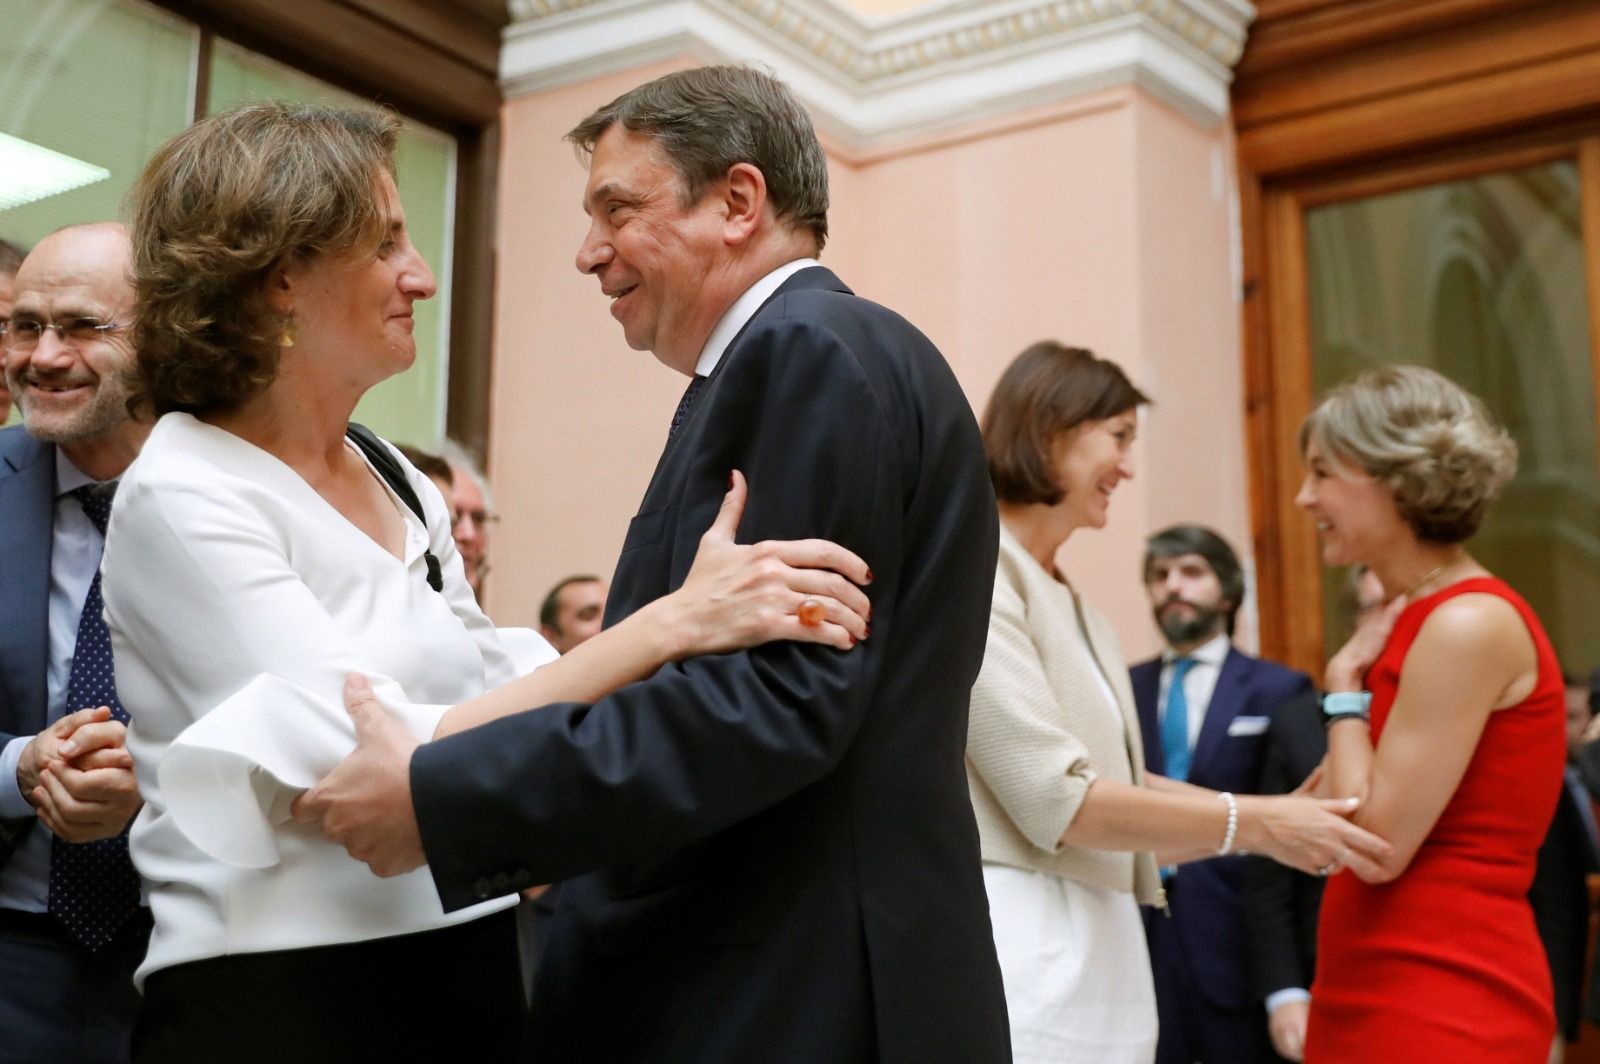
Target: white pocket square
1248,725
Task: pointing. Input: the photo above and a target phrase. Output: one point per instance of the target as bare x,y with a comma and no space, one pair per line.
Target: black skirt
454,994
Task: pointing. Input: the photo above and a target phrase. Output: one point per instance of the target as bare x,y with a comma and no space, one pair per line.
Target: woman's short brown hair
1048,389
1429,440
219,208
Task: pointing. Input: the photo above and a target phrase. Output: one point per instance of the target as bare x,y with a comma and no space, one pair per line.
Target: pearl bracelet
1233,824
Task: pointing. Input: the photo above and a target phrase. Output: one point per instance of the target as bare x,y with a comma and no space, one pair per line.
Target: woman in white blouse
255,558
1069,822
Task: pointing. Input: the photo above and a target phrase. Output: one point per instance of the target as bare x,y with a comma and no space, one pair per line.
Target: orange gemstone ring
811,612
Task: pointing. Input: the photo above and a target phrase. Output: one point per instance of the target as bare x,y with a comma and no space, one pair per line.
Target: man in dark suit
770,854
1282,904
1571,851
71,927
1204,710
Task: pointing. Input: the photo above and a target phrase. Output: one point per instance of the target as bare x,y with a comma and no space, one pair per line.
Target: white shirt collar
68,476
744,308
1212,652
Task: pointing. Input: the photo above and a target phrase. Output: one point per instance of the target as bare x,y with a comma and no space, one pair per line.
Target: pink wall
1103,222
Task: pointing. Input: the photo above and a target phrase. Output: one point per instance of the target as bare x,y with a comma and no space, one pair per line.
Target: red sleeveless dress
1444,964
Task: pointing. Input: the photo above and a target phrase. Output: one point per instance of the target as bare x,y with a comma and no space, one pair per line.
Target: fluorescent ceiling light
29,172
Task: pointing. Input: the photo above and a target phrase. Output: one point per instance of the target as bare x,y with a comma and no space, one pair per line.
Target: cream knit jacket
1040,731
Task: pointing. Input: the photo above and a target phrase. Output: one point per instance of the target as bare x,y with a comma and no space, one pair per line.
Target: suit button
502,882
481,887
523,878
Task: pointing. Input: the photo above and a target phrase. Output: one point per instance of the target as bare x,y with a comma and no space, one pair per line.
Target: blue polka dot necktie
93,886
1175,722
684,404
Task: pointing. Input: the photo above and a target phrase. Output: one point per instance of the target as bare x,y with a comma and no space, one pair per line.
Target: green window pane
88,90
1484,281
411,406
103,83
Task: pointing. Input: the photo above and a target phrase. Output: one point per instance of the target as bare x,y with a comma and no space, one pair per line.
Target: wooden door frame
1337,99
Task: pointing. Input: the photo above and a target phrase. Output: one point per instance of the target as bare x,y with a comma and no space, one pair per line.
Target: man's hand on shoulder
364,804
78,776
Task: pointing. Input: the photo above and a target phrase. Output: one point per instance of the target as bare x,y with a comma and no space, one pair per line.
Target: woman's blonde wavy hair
218,209
1430,441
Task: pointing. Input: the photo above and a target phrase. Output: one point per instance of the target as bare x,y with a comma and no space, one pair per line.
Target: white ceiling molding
873,82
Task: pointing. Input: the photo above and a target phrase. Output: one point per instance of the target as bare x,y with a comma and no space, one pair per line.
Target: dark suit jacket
1560,900
1281,905
1206,899
771,854
27,517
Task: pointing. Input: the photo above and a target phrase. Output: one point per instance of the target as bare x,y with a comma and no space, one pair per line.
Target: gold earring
287,339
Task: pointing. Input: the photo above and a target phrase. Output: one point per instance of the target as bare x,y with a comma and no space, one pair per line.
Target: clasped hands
78,776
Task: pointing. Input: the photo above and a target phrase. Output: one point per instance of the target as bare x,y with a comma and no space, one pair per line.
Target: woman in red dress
1431,954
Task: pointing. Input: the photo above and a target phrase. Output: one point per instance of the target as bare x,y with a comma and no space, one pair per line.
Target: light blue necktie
1175,722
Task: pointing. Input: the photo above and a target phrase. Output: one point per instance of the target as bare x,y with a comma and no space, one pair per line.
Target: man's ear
746,199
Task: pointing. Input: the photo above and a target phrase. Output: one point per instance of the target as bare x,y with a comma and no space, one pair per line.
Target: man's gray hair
710,118
461,458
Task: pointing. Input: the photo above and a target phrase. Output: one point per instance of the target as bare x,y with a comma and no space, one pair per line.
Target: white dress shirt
744,308
74,558
238,600
1199,684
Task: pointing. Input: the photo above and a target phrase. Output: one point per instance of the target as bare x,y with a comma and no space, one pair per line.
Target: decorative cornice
875,81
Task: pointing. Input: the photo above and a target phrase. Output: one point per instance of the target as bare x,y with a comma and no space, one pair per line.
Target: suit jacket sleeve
710,741
1271,905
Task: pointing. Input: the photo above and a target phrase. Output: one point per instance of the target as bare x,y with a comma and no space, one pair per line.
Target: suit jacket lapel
1146,679
810,277
27,518
1219,714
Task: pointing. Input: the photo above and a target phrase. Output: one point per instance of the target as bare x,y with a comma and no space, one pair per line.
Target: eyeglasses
24,334
479,518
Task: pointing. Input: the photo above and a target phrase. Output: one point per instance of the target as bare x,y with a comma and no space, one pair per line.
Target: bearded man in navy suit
1204,710
770,855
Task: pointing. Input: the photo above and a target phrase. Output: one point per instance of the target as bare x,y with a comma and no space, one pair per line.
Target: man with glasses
10,259
474,508
72,926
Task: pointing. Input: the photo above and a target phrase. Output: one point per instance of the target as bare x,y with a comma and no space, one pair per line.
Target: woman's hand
738,596
1313,835
1349,666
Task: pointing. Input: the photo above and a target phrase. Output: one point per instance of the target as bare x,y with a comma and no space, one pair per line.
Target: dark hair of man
1179,540
429,465
710,118
1048,389
552,602
11,257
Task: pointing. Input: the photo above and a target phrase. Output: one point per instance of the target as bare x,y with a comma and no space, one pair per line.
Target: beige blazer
1041,730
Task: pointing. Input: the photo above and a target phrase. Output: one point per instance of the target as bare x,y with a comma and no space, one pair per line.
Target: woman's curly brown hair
1430,441
216,211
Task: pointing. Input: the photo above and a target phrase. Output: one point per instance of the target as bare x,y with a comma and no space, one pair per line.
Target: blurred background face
1578,717
1186,597
7,293
471,529
580,608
